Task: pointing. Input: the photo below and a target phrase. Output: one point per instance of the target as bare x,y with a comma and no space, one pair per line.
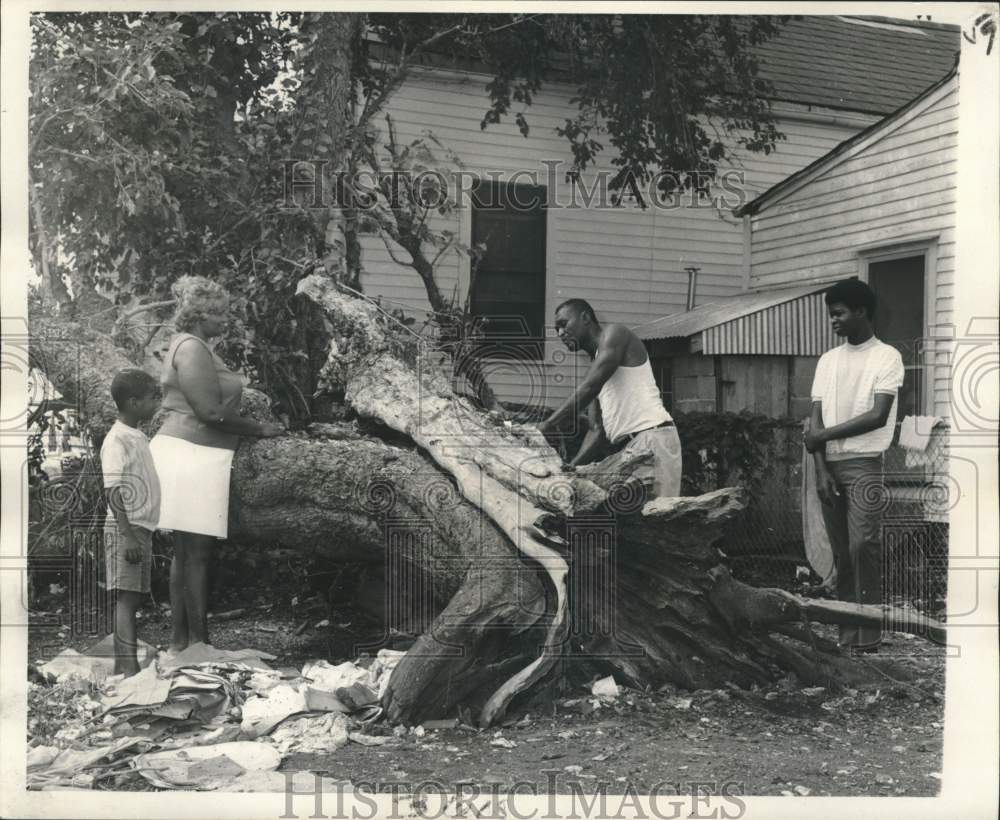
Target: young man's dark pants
854,524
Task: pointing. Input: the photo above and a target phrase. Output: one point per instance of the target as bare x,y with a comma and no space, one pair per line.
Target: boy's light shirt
127,463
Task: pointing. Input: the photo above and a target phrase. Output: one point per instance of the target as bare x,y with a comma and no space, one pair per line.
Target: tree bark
329,133
639,586
52,285
514,567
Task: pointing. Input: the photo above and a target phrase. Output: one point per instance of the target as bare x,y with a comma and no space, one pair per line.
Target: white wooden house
880,207
834,77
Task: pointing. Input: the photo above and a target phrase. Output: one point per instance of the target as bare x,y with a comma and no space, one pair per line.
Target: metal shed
785,322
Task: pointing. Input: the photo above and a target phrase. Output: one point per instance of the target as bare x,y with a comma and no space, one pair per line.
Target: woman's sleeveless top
180,420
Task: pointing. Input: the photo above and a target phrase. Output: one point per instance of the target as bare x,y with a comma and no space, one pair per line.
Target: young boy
133,491
853,420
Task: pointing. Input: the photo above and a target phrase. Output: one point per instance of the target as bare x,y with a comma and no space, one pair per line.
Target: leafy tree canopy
667,92
158,141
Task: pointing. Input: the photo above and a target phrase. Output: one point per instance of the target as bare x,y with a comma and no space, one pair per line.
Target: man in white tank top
628,410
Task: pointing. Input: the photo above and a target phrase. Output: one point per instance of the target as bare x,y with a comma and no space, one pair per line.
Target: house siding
628,262
896,188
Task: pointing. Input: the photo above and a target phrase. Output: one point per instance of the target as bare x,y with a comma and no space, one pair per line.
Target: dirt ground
879,740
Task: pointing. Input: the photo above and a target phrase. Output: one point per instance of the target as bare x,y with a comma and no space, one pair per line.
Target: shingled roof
871,65
866,64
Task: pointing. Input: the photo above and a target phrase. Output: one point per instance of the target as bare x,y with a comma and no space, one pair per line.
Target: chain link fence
765,546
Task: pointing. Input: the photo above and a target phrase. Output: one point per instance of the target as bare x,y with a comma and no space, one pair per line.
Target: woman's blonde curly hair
197,298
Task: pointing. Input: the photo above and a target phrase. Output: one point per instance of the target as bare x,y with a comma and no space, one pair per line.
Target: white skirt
194,486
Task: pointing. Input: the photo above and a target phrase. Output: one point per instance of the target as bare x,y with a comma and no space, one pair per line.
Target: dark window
508,289
899,321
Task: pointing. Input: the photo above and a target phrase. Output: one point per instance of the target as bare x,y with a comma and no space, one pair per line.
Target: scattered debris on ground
203,719
91,730
96,665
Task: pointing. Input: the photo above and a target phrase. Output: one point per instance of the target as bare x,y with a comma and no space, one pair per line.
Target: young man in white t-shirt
853,420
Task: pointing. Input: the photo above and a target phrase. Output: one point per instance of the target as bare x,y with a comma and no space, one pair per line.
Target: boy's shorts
121,573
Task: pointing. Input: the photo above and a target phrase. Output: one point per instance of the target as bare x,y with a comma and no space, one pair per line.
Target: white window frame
926,246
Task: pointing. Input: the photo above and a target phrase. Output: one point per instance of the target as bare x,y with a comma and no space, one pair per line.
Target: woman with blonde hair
193,449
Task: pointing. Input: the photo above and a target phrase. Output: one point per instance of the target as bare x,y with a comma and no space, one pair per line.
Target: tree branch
124,317
50,284
518,22
386,235
441,252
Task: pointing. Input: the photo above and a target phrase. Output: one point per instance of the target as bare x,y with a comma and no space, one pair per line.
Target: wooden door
758,384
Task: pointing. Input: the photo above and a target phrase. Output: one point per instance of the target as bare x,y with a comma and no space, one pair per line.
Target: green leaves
722,447
132,183
158,139
657,85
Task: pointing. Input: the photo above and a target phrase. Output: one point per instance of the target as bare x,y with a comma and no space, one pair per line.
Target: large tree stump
639,587
524,563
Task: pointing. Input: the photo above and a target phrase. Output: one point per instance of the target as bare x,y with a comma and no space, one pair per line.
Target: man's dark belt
629,436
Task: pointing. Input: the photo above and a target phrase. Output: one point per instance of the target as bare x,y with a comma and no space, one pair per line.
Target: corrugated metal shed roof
866,64
785,322
680,325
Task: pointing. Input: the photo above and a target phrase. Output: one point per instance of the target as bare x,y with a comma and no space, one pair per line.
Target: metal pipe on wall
692,286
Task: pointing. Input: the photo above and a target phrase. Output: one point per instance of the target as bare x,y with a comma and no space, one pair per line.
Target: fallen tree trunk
337,493
647,593
524,567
